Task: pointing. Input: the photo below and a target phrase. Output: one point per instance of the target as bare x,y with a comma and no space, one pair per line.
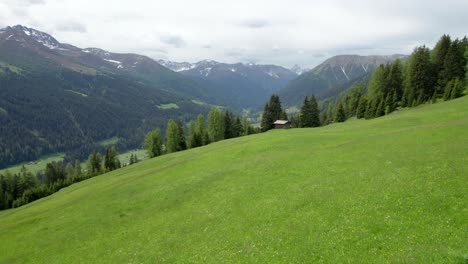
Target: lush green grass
39,165
388,190
109,142
125,157
168,106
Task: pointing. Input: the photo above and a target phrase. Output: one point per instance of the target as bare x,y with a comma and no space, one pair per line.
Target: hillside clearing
392,189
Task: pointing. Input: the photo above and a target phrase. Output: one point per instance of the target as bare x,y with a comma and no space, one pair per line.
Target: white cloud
247,30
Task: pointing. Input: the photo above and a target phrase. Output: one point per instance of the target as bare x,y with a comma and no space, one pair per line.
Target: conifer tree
195,137
153,143
380,111
438,57
69,170
201,128
283,115
228,125
454,63
111,161
340,115
395,81
421,82
371,109
77,170
271,113
457,89
306,113
182,141
315,119
267,119
361,110
172,137
215,125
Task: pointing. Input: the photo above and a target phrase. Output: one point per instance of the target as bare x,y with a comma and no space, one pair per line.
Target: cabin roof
280,122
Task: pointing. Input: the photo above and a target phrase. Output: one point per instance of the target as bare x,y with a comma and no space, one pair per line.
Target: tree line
219,125
426,76
307,117
23,187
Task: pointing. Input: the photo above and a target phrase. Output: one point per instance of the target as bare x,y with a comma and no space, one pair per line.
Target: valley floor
388,190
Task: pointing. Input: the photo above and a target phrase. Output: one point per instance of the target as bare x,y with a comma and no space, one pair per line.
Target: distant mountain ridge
56,97
249,83
332,75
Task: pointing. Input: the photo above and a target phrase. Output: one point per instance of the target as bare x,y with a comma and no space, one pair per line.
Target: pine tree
306,113
371,109
201,128
361,110
215,125
377,83
283,115
237,127
271,113
315,119
172,137
340,115
454,63
77,170
421,82
448,90
438,57
111,161
182,141
395,81
195,137
228,128
247,129
69,170
267,121
457,89
380,111
153,143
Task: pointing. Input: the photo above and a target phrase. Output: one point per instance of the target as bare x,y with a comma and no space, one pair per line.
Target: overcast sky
285,32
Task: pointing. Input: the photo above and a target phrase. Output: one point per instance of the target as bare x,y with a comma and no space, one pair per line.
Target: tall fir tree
215,124
306,113
438,57
340,115
172,137
182,140
153,143
361,109
421,77
315,114
271,113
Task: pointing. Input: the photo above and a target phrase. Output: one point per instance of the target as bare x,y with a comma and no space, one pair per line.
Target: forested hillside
58,98
426,76
332,76
390,189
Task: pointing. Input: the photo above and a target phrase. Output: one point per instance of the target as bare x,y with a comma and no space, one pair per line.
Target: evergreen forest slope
391,189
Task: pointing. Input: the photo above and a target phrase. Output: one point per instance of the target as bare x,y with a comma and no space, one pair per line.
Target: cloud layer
263,31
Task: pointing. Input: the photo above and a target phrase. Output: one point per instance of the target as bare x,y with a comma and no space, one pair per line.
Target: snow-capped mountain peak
41,37
298,69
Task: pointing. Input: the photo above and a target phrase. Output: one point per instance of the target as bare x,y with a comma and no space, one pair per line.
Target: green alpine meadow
387,190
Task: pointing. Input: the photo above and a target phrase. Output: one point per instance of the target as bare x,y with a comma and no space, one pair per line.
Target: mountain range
248,84
332,76
56,97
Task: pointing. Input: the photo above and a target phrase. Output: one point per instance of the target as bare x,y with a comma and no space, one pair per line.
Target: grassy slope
38,166
391,189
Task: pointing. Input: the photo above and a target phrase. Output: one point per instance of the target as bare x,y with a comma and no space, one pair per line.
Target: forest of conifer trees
426,76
